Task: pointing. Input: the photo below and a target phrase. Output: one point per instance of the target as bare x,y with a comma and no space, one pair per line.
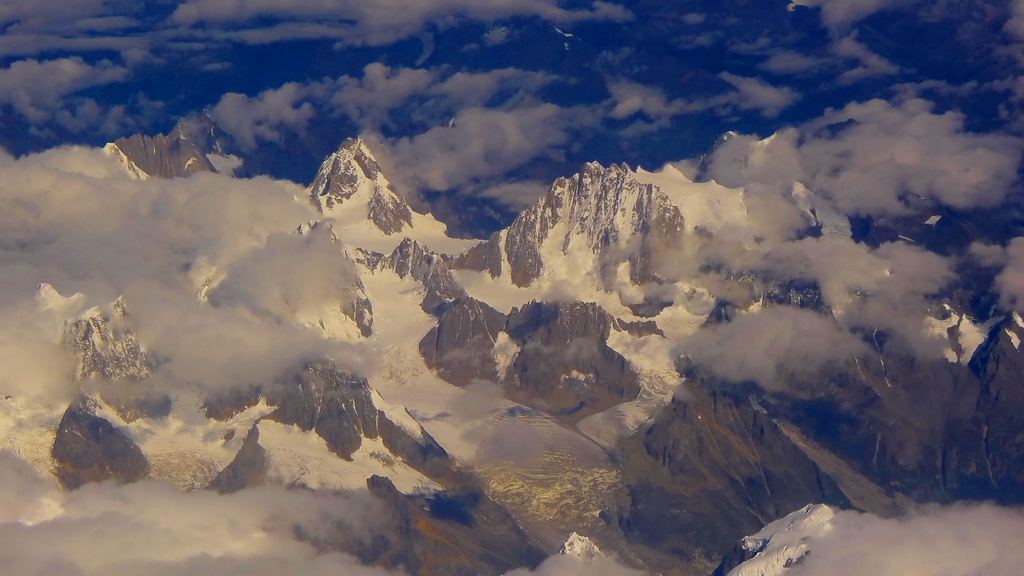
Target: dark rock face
797,293
88,448
335,404
111,356
339,176
903,430
182,152
225,404
340,408
931,430
248,469
564,363
389,212
527,232
709,469
661,234
460,347
452,533
484,257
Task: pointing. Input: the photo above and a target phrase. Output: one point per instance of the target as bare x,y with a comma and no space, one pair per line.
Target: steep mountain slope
194,145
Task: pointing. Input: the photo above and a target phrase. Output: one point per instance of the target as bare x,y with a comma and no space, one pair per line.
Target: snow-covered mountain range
636,363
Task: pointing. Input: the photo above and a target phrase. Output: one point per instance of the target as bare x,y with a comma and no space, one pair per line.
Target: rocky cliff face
248,468
603,213
564,364
183,151
460,348
113,361
881,432
340,408
712,465
932,430
663,464
88,448
105,344
451,533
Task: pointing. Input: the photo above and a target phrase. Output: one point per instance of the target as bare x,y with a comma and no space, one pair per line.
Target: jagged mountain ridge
605,211
194,145
715,445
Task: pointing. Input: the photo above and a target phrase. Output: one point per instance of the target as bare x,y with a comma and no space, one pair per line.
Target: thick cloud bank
73,219
152,528
953,541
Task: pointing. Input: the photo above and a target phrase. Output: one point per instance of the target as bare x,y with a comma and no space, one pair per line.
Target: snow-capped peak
600,217
48,298
581,548
351,191
352,176
785,542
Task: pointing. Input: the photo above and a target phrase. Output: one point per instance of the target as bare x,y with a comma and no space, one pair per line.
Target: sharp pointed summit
352,175
351,190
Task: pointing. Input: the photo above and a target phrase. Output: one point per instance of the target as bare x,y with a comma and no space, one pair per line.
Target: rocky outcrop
181,152
484,257
410,259
453,533
880,432
106,345
460,348
932,430
88,448
564,364
111,357
247,469
343,410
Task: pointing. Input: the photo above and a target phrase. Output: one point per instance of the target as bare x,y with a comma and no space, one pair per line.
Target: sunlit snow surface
784,542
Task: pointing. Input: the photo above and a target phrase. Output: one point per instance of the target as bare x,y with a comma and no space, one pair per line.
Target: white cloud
36,89
74,219
35,14
872,289
1009,282
753,94
841,14
368,99
762,346
631,98
480,143
887,151
262,117
960,540
152,528
878,158
869,63
516,195
791,62
1015,25
384,21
